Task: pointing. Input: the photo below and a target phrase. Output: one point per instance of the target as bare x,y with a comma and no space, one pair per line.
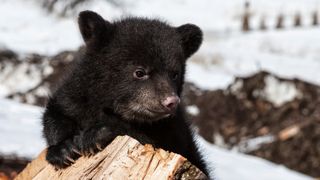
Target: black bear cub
128,81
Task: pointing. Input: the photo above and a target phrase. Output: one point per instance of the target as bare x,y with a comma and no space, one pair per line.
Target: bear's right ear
94,29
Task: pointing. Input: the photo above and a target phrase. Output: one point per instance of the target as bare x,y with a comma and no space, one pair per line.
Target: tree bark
124,158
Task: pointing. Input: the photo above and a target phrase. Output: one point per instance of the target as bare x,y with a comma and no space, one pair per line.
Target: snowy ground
228,165
287,53
20,133
225,54
20,129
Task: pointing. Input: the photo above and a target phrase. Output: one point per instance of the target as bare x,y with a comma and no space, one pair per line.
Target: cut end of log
124,158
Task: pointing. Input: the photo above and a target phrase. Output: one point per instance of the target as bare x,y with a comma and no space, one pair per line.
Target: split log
124,158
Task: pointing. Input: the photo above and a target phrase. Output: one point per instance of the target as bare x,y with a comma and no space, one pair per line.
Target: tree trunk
124,158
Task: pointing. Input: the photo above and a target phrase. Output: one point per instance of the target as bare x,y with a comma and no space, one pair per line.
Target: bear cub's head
135,66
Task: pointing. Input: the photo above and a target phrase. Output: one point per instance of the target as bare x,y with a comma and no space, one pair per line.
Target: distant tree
263,25
280,20
246,17
297,20
315,20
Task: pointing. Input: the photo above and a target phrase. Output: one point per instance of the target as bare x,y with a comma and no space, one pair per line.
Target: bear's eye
140,74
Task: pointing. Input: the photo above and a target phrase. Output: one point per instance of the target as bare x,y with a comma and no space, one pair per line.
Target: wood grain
124,158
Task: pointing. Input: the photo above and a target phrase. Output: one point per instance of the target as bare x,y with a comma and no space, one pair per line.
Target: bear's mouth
160,114
154,115
147,113
157,111
142,113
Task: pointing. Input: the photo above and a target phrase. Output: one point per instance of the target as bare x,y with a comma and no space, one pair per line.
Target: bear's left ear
94,29
191,38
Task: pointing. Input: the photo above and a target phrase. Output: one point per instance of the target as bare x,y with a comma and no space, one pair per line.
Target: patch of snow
34,30
20,129
230,165
193,110
219,140
26,76
254,143
208,77
47,70
236,86
43,91
278,92
27,28
212,15
292,53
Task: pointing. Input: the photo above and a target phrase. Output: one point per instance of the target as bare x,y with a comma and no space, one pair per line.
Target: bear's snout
170,103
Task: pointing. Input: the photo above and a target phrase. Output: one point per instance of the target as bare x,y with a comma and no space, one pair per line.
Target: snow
26,80
279,92
228,165
26,28
289,54
252,144
34,30
275,91
20,133
193,110
20,129
212,15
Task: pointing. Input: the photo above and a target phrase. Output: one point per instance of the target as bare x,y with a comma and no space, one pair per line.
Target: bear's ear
94,29
191,38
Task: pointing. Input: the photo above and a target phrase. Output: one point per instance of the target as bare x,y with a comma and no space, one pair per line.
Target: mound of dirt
10,166
248,118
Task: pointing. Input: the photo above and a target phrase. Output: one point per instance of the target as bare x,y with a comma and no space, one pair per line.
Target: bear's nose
171,103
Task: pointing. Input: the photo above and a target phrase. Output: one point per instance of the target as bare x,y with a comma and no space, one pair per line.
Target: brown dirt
242,115
10,166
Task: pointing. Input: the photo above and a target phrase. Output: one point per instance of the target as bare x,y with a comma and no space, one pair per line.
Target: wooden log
124,158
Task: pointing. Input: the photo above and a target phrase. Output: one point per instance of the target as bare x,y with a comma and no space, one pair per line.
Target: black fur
102,99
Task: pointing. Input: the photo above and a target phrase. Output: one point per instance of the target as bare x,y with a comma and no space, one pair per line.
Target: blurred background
252,90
